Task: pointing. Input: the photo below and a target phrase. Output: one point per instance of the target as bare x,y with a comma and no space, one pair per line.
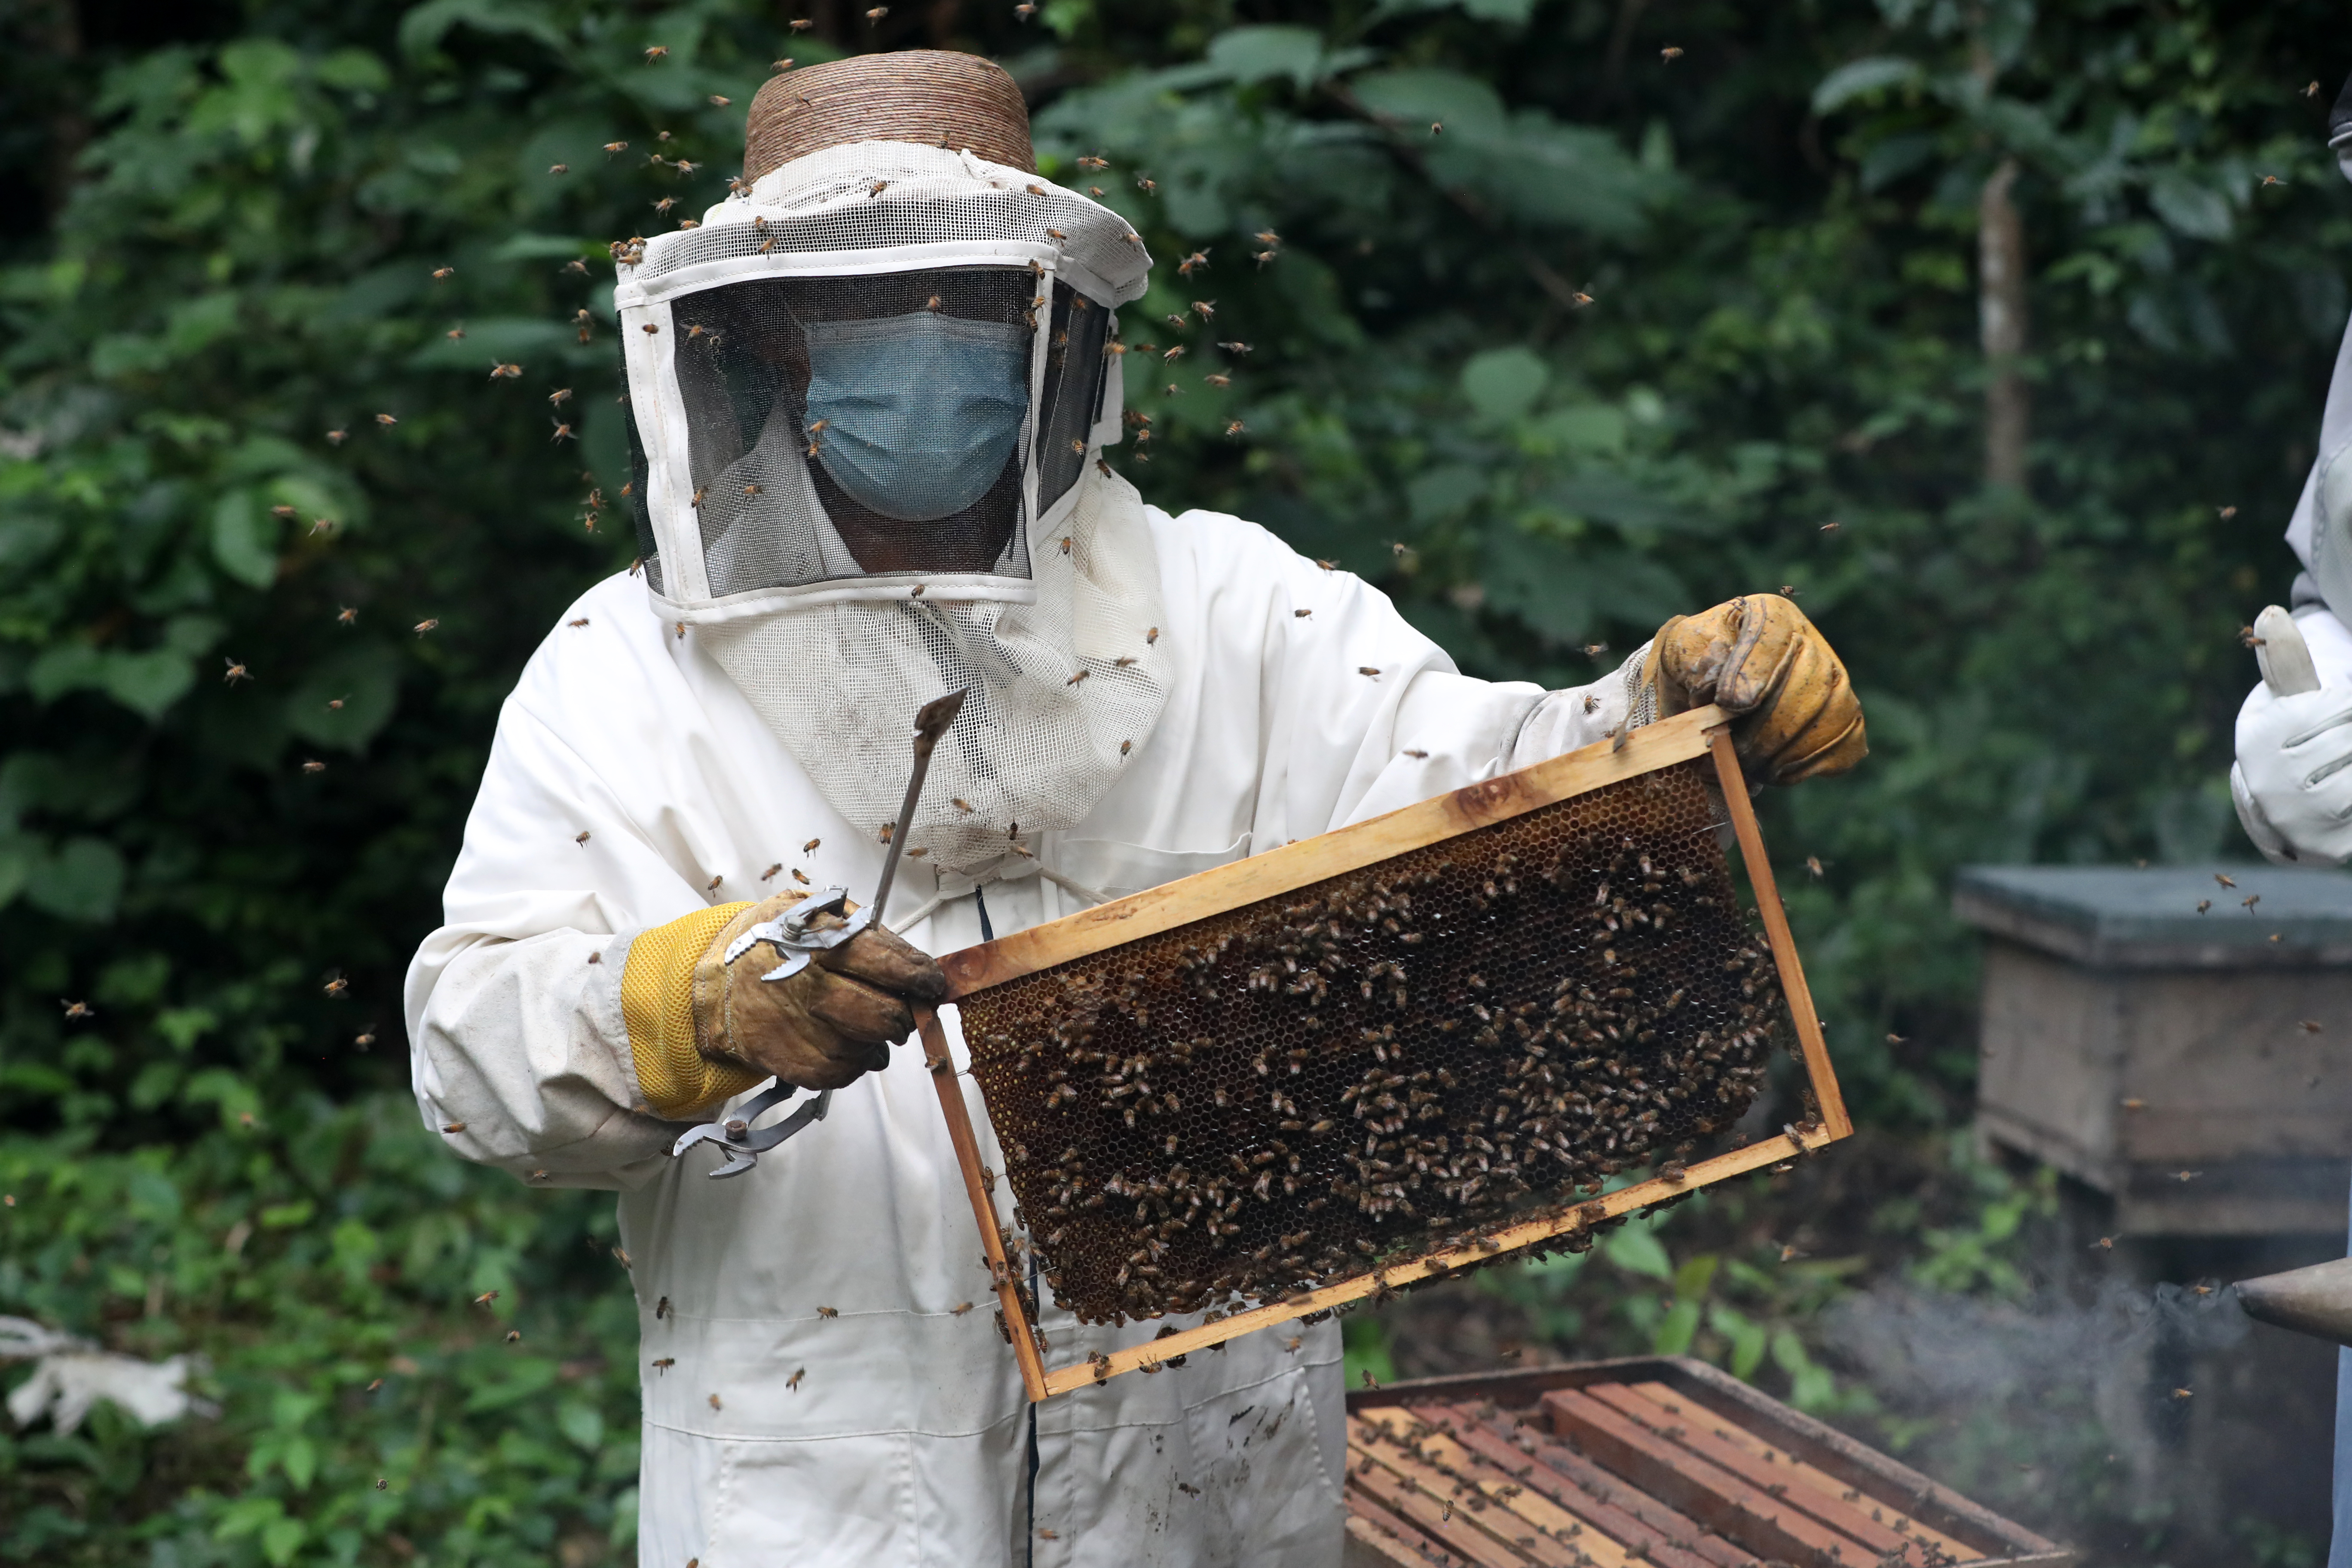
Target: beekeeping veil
869,392
2320,533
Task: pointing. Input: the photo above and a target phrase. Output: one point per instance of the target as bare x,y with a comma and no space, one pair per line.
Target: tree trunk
2000,314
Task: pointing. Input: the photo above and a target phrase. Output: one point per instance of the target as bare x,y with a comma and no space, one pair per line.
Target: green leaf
364,677
1858,78
82,880
1635,1250
1747,1339
2190,206
582,1422
1695,1274
1676,1330
148,683
1257,54
1504,383
1413,100
282,1538
245,538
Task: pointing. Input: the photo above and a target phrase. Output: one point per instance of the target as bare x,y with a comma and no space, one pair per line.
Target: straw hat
928,96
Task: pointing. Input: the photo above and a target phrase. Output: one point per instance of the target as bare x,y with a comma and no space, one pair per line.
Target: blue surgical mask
921,412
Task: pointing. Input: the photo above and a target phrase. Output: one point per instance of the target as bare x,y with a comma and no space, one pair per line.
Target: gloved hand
2292,782
1759,656
701,1030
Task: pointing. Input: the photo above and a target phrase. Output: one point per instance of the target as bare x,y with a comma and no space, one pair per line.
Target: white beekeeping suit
870,399
2291,781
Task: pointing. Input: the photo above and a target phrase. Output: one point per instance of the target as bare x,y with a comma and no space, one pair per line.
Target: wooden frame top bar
1335,854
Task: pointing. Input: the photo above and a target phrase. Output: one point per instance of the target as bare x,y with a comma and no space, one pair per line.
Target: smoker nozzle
2317,1300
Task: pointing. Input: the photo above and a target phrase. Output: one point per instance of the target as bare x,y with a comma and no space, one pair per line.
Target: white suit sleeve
516,1038
1355,712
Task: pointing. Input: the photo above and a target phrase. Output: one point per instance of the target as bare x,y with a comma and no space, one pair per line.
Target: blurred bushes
1548,334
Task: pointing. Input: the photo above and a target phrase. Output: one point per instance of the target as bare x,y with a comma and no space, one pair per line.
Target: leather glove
1760,657
702,1030
2292,782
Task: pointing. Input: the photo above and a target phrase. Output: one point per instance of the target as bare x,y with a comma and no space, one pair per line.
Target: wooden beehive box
2128,1038
1655,1460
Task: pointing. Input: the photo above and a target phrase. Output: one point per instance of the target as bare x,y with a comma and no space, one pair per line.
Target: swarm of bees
1400,1058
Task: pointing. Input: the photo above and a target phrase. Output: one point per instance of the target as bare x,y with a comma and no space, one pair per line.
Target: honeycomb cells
1396,1059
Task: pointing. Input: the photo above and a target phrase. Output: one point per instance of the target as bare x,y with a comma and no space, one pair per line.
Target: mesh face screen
1291,1092
772,512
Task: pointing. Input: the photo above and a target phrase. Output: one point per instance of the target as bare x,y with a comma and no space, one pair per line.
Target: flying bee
1198,258
365,1040
809,847
802,880
337,437
656,52
387,420
1076,678
784,65
1263,256
665,1363
562,432
453,1127
771,871
2310,1025
337,986
719,101
372,1388
1148,186
1371,672
1670,54
80,1010
876,187
1172,355
443,274
2271,180
2204,904
1150,635
314,766
499,371
876,13
236,672
486,1298
514,1336
2224,881
2132,1104
1235,428
792,1384
347,616
801,24
1123,662
611,147
1124,748
714,882
1416,753
425,625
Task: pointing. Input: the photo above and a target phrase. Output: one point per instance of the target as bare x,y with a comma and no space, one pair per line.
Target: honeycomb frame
1308,958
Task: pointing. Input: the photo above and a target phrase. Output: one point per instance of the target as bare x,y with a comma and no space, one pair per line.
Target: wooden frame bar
1703,731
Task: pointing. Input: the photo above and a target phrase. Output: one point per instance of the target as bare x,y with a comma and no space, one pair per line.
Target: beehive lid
1655,1461
2132,917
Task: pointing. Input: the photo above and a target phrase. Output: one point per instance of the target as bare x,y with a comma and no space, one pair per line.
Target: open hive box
1371,1057
1663,1461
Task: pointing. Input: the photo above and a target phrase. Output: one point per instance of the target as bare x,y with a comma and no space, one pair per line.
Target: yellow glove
702,1030
1759,656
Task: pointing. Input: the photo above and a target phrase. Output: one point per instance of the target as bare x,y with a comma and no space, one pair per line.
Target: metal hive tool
1382,1054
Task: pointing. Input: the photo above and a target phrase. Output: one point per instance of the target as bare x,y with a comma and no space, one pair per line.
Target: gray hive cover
2122,915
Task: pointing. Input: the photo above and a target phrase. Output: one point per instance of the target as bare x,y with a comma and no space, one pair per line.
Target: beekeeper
871,394
2291,781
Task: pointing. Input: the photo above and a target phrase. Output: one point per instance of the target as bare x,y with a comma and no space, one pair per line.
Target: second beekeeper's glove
2292,782
701,1030
1759,656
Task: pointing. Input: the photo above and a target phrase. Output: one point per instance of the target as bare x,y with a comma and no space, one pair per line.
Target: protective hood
869,398
2320,531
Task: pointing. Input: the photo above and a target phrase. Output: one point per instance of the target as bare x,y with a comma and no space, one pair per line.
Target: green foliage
1548,336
